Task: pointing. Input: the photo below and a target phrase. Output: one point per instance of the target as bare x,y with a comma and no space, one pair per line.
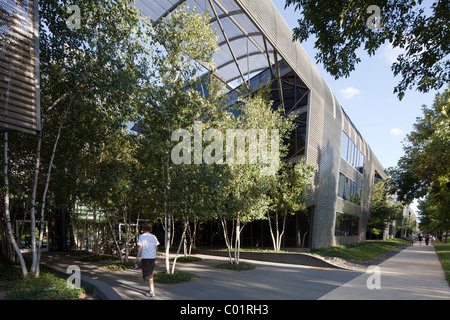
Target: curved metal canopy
244,50
254,37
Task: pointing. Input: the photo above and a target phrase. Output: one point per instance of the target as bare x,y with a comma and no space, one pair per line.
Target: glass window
344,147
351,153
355,156
355,224
341,185
338,225
349,189
346,225
361,163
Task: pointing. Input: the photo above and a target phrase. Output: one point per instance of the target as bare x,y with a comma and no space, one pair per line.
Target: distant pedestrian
411,239
420,239
427,238
148,247
432,239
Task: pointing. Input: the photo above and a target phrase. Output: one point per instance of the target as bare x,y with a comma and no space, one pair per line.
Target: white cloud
396,132
349,92
390,54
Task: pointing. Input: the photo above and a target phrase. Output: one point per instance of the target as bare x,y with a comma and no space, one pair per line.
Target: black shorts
147,266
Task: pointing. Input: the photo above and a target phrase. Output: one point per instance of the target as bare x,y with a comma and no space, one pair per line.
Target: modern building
19,66
256,46
409,222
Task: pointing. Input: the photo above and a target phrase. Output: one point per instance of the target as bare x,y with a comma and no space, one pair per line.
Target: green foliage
8,270
118,266
242,266
384,210
443,252
424,170
361,251
49,286
189,259
171,278
287,194
341,29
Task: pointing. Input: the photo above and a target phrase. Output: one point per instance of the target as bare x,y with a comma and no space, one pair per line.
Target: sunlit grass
443,252
361,251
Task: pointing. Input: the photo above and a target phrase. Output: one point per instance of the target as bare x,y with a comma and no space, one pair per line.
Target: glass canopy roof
254,37
244,51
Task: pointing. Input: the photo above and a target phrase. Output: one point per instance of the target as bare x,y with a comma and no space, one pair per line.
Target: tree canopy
424,170
344,26
384,210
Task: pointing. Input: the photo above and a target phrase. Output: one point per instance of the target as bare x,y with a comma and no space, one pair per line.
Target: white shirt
148,242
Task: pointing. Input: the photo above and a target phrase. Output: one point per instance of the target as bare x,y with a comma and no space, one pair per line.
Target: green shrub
242,266
118,266
176,277
189,259
49,286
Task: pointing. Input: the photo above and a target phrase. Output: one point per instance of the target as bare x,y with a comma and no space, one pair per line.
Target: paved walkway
414,273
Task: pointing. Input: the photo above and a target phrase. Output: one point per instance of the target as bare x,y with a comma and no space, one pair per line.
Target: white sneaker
150,294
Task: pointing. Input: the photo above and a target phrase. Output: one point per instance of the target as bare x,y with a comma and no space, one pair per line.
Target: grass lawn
443,252
361,251
50,285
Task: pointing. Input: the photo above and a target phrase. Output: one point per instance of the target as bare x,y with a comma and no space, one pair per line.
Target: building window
346,225
351,153
349,190
377,177
298,137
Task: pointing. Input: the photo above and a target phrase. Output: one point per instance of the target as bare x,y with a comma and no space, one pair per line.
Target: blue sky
367,97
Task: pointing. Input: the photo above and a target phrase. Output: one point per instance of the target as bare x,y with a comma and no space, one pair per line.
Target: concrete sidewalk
413,274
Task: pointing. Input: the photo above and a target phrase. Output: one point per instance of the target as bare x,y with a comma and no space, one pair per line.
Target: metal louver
19,66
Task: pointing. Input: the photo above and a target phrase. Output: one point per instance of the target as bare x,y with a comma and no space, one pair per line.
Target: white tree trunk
11,238
228,241
179,247
35,265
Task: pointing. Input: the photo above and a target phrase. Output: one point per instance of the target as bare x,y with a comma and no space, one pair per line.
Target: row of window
346,225
349,190
351,153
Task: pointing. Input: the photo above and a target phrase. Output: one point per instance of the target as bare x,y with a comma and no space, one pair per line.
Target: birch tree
246,192
91,78
287,196
184,44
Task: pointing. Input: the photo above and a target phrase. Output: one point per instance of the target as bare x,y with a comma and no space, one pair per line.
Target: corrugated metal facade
326,122
19,66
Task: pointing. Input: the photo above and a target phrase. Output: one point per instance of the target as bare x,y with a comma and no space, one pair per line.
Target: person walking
427,238
148,247
411,239
432,239
420,239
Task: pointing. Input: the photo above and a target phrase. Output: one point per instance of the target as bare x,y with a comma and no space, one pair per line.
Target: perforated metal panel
19,67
